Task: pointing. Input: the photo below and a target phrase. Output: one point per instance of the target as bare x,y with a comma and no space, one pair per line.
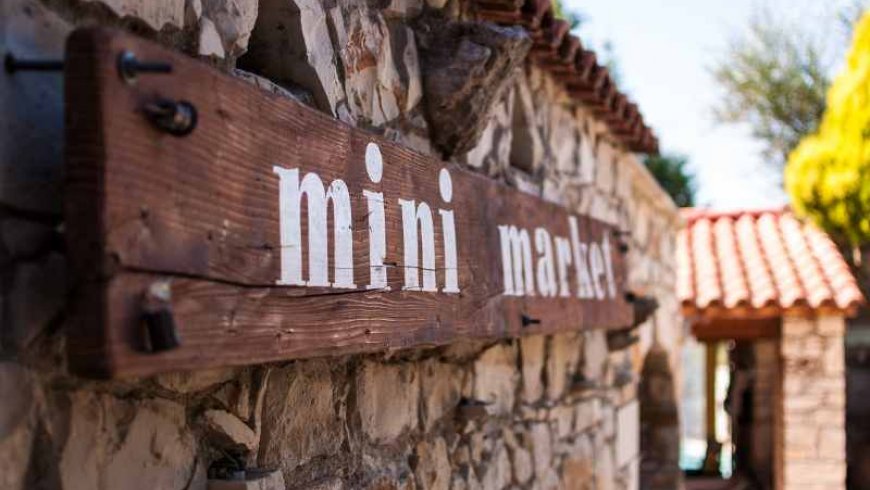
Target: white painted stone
495,377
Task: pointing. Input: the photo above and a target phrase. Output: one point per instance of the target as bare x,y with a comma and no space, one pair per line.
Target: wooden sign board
275,232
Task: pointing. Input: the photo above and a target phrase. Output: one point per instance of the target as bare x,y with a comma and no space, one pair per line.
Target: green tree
671,173
774,78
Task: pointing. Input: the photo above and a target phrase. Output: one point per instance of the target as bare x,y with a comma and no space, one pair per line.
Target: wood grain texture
202,212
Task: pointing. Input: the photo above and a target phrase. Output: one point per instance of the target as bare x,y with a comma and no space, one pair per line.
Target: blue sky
665,49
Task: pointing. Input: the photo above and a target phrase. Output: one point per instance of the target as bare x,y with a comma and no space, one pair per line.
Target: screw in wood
129,67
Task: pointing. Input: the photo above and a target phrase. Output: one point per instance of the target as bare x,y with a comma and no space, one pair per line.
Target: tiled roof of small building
763,261
564,56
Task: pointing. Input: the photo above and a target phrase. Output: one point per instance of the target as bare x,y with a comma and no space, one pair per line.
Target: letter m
516,259
291,192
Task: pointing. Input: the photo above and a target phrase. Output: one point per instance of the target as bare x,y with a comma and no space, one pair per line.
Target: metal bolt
177,118
527,320
129,67
13,64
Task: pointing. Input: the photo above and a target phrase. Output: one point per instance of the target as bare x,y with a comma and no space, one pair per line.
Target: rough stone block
291,44
595,355
387,398
495,377
371,81
587,414
432,465
542,449
300,419
497,474
532,355
627,433
831,326
578,470
120,444
234,21
441,387
228,432
157,14
184,382
466,68
527,145
562,418
564,354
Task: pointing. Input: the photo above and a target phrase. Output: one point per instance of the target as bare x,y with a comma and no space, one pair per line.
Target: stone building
779,292
496,86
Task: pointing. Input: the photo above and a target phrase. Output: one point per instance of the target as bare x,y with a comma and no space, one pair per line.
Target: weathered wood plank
203,212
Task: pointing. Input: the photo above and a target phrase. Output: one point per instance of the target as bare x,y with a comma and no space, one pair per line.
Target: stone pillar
660,426
811,435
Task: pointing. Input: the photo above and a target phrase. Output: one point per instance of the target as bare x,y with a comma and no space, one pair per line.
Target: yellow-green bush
828,174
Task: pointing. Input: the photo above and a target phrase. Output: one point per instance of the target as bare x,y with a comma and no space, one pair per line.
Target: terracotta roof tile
562,54
763,260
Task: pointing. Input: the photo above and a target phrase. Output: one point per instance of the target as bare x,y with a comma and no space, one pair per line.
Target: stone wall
538,412
811,435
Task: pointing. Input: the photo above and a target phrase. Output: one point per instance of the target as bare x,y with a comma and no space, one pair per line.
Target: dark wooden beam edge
197,218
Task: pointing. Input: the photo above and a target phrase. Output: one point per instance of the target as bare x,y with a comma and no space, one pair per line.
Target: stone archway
660,428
